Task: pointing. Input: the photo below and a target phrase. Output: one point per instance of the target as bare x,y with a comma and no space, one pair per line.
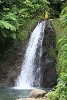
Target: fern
13,35
10,16
5,24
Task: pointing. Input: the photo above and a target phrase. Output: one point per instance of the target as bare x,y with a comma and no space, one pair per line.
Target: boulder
37,93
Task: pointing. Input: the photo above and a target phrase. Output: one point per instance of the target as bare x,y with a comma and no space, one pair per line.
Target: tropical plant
60,92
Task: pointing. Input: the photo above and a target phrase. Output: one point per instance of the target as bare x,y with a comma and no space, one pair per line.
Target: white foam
26,78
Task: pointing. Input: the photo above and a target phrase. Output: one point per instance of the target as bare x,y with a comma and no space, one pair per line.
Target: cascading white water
26,78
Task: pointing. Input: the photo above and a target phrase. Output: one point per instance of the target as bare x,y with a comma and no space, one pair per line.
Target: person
46,14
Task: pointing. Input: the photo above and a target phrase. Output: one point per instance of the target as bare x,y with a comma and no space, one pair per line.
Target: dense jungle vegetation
60,25
17,18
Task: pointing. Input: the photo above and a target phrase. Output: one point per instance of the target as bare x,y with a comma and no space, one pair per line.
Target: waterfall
29,70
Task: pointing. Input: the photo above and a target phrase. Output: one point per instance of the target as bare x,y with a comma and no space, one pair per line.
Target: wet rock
37,93
10,69
48,65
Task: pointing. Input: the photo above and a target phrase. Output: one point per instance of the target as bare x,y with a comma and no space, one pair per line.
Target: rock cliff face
9,70
48,64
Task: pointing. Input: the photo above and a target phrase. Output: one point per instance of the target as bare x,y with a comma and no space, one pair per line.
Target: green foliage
14,15
62,42
60,93
8,26
55,8
64,17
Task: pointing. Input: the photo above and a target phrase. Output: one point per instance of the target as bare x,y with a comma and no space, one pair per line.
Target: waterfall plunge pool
15,94
30,71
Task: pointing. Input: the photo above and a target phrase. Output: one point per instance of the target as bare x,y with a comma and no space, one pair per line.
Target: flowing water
30,69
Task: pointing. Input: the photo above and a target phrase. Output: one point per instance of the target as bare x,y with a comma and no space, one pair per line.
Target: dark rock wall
48,66
10,69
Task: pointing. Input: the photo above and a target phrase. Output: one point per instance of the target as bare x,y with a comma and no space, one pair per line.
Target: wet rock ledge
48,64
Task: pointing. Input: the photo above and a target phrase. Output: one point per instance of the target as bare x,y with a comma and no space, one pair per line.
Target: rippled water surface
13,94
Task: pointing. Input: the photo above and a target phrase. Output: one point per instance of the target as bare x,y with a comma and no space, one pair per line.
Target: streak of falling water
26,78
